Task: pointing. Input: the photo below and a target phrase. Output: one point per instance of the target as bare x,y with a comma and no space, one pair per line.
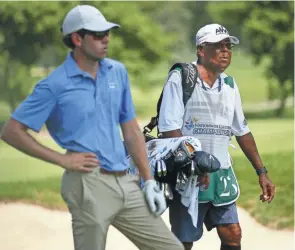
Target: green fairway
280,213
249,77
275,141
4,113
272,136
16,166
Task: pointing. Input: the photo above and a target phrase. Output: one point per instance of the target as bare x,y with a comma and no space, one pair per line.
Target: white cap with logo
85,17
213,33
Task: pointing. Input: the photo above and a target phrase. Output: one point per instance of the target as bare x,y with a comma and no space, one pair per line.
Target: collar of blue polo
73,69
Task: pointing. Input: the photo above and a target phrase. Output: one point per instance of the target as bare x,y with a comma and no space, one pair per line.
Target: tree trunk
280,110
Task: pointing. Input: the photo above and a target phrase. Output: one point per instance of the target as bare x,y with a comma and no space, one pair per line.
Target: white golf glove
154,197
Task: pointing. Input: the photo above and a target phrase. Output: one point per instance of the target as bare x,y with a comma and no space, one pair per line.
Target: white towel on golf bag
189,197
156,150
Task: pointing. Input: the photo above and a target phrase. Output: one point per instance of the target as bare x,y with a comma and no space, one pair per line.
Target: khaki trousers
97,200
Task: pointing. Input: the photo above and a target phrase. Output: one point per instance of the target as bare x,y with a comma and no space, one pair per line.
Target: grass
15,166
280,213
271,136
44,192
4,113
250,78
26,179
269,114
4,110
275,142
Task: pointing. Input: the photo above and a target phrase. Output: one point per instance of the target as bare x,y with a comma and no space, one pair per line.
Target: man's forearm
24,142
248,145
135,144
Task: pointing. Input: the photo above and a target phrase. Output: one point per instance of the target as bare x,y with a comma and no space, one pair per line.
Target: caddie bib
209,116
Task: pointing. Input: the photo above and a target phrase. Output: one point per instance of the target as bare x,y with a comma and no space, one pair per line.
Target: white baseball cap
213,33
85,17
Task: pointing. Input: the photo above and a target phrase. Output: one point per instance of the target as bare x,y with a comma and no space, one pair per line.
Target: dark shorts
181,222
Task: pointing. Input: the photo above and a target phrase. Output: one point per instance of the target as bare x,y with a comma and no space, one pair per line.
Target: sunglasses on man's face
95,34
219,46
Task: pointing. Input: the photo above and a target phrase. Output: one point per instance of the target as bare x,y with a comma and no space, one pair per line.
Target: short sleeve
239,126
36,108
172,108
127,111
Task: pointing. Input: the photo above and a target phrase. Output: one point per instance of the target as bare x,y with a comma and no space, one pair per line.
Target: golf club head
158,168
205,162
164,168
193,167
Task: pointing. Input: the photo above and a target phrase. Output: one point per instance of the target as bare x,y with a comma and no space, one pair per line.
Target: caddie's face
217,55
94,44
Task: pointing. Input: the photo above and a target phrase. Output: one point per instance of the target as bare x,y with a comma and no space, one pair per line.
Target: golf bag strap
189,75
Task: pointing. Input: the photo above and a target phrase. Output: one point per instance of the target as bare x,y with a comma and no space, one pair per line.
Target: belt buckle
123,173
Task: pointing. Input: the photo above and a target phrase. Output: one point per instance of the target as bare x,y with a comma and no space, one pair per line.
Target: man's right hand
81,162
155,197
204,180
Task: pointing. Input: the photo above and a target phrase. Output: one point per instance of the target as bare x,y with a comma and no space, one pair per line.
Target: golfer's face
95,44
218,54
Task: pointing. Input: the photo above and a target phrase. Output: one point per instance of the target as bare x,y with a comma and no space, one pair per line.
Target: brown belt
117,173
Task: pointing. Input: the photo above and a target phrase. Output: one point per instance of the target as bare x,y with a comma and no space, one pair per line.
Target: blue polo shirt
83,114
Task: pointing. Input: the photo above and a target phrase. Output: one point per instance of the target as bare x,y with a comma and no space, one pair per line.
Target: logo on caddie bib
199,128
190,123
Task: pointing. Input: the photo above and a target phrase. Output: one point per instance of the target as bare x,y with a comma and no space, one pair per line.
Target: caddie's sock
228,247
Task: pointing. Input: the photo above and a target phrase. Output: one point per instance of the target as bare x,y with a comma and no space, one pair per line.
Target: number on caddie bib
223,188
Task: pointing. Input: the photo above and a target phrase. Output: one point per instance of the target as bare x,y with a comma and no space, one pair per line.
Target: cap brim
102,26
234,40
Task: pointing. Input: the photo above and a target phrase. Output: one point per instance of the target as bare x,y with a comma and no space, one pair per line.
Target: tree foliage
30,33
26,29
152,34
268,29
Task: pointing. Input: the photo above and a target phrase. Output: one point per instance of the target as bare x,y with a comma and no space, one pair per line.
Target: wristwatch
260,171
